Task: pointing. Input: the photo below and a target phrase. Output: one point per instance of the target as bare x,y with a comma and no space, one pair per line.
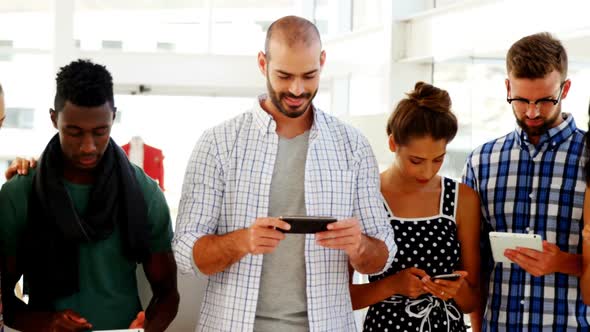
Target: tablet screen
500,241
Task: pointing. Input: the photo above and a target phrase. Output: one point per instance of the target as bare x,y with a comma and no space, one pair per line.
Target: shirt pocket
330,192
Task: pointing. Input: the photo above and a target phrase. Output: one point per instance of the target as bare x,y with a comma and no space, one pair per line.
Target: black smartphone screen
307,224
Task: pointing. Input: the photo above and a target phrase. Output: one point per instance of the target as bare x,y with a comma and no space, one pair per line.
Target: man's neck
288,127
77,176
535,139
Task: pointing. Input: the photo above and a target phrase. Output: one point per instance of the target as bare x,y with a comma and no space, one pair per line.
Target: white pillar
402,76
340,22
64,48
344,16
306,9
209,24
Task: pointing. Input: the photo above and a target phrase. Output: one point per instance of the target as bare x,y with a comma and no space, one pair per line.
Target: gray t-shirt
282,301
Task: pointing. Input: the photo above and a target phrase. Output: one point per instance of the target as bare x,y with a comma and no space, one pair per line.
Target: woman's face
420,159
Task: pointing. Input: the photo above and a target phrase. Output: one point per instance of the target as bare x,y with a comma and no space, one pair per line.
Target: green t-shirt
108,296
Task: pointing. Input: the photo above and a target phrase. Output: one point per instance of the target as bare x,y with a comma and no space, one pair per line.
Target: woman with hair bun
436,223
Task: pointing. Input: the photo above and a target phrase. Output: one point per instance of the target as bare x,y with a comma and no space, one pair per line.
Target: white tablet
500,241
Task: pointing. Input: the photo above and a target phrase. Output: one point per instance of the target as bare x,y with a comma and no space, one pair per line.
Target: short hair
425,112
294,30
83,83
535,56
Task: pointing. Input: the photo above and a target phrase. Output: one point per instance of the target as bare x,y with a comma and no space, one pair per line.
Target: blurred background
181,66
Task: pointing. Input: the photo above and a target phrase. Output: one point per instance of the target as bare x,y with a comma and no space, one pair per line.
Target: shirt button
522,302
528,229
532,195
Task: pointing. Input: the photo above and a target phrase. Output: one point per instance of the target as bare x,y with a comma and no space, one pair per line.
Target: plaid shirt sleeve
468,177
200,203
368,205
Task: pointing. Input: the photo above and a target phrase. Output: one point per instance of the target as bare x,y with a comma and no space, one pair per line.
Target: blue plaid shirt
538,189
227,186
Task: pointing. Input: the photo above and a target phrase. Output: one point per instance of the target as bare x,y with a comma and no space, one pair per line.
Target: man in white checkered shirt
283,157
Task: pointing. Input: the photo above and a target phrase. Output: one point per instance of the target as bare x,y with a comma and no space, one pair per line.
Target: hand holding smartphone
307,224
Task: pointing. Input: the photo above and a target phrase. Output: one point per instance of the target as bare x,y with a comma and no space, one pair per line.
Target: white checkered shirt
227,186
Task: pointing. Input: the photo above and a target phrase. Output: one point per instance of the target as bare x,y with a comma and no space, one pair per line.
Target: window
478,94
21,118
366,14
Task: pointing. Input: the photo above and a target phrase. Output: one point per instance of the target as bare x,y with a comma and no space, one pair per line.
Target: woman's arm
468,231
406,282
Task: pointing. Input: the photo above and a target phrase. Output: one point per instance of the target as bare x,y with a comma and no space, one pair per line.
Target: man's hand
262,237
214,253
68,321
444,289
19,166
344,235
537,263
139,321
408,282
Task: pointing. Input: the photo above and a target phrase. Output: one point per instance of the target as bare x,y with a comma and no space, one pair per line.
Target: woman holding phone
436,223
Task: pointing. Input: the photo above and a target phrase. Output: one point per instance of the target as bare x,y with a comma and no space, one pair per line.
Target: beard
548,123
277,97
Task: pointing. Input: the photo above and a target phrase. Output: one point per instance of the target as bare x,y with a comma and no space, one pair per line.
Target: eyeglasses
543,104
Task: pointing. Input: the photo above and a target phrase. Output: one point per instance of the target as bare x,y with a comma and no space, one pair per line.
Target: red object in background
153,162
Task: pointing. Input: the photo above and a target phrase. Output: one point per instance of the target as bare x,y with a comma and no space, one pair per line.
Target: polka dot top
429,244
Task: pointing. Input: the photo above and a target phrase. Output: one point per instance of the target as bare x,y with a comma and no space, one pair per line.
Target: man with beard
283,157
77,226
532,181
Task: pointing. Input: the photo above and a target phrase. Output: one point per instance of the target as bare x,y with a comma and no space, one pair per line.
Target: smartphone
307,224
450,276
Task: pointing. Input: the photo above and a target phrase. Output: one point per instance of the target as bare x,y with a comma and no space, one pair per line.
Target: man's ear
566,88
507,83
53,115
322,59
262,63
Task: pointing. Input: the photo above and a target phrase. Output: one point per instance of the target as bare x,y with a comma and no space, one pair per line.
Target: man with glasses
531,181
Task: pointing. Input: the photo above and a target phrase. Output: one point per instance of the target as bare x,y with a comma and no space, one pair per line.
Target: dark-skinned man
77,226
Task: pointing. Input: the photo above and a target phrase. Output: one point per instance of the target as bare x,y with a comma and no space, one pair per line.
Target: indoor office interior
182,66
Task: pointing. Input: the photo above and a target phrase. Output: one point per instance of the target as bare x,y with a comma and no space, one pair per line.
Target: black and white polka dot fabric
429,244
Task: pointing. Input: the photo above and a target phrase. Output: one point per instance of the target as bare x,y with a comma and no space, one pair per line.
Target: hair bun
430,97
